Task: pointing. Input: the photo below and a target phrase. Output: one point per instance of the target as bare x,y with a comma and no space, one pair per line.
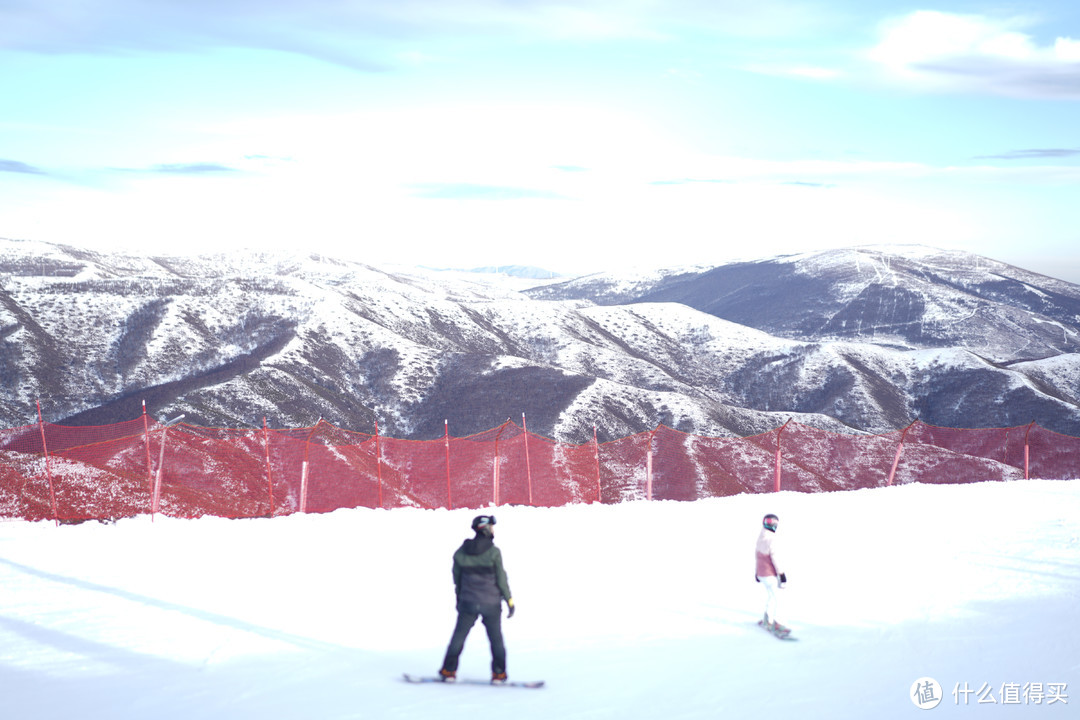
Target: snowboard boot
498,678
447,676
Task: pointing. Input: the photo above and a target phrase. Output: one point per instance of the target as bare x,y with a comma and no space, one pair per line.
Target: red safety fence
142,466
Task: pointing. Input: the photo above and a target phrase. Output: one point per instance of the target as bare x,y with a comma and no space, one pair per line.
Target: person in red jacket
769,572
481,587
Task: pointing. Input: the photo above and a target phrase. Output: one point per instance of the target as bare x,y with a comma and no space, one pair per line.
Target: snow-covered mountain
908,297
866,339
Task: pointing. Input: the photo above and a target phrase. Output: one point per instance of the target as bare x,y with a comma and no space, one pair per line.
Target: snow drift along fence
142,466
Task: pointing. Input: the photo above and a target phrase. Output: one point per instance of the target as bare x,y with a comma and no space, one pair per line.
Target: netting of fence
143,466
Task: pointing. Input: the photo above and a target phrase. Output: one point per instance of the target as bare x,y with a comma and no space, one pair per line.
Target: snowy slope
639,610
230,340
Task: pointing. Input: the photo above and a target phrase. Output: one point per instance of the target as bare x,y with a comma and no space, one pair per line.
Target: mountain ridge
856,340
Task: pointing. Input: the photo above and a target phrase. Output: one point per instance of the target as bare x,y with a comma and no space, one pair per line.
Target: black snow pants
467,615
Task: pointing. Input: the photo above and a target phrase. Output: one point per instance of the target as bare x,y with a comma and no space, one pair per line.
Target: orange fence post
1027,452
304,468
899,449
378,461
495,466
528,465
155,498
155,502
446,439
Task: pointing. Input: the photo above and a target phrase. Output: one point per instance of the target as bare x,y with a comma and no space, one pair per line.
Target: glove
783,579
510,604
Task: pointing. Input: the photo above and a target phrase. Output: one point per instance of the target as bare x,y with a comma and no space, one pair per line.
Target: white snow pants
772,596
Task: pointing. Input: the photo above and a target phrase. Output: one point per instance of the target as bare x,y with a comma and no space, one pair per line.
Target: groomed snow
639,610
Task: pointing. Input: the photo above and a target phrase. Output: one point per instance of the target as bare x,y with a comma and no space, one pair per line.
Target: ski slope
640,610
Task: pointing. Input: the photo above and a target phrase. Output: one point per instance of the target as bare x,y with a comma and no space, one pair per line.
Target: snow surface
639,610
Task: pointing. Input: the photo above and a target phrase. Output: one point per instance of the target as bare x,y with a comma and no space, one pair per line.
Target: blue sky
577,136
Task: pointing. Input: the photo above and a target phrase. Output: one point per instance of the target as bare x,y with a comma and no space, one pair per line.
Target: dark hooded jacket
479,577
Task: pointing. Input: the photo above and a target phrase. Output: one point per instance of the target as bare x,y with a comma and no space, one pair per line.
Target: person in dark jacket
481,586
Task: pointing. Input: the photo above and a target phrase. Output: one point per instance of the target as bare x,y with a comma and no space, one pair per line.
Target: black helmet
770,521
480,520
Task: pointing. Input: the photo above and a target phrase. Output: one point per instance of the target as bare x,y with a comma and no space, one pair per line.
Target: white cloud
1067,49
948,52
927,36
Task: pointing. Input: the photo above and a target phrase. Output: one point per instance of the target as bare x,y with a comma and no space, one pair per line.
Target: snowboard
473,681
779,635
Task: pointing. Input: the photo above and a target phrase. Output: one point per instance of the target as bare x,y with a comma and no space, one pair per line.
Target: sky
574,136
